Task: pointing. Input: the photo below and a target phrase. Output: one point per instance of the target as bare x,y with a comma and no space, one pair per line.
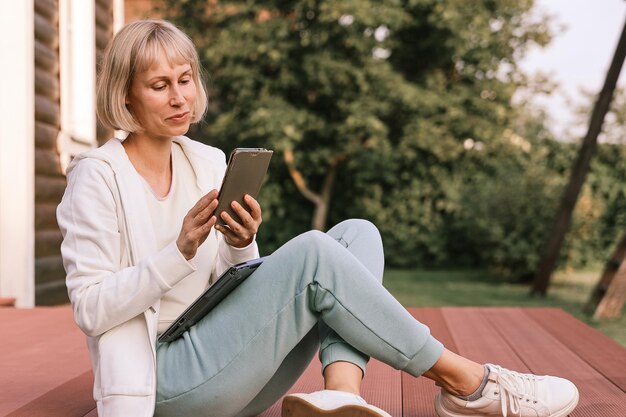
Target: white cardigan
115,273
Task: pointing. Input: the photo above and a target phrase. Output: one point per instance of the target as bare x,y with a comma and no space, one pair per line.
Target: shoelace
514,387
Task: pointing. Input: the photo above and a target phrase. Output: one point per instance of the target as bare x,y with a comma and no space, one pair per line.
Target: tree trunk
607,298
613,301
320,200
579,172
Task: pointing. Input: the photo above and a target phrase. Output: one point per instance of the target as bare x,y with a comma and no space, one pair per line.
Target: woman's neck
152,160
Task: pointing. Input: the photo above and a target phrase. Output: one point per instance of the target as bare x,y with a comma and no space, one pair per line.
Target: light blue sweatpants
255,344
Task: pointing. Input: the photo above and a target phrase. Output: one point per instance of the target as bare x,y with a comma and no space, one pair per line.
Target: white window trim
17,149
77,53
118,15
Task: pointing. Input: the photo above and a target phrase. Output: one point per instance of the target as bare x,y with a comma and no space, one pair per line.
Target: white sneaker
328,403
510,393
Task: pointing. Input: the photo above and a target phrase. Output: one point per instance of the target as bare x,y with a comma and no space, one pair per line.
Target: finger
250,225
255,207
204,201
229,236
232,224
244,215
200,233
206,229
226,231
235,235
205,214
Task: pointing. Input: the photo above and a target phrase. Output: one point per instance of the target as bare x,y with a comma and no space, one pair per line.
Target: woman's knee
305,248
363,240
316,240
366,228
360,237
350,230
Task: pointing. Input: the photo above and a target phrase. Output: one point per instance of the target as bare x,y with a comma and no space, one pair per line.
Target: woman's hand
241,234
197,225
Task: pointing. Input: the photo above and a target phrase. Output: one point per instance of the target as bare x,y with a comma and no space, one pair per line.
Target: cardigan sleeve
102,293
228,256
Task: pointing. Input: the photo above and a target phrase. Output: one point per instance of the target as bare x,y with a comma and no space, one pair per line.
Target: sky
578,56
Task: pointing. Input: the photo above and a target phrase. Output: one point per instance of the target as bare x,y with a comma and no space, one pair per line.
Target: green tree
370,105
505,209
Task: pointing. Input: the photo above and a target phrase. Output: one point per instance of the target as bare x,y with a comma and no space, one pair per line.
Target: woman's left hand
241,234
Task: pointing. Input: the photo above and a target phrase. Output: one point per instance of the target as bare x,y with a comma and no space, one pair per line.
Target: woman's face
162,99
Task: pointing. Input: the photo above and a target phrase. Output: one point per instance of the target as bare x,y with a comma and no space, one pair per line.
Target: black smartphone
244,175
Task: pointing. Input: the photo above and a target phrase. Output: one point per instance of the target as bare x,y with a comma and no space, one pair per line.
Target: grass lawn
431,288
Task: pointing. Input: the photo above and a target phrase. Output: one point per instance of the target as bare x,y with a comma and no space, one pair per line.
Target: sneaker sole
441,412
298,407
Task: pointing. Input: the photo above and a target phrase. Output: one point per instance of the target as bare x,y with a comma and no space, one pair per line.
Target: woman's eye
158,87
185,80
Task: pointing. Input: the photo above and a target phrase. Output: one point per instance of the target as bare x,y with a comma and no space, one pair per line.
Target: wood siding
104,32
49,178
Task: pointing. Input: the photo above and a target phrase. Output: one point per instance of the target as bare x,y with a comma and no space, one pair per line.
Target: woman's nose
176,97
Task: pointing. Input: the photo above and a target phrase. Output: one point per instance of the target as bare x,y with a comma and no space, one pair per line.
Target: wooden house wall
49,179
104,32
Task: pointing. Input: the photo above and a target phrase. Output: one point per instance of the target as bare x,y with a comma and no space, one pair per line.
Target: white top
167,215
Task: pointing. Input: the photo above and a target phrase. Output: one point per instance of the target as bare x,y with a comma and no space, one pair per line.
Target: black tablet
226,283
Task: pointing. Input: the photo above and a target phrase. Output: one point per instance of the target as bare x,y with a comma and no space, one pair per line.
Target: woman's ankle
343,376
456,374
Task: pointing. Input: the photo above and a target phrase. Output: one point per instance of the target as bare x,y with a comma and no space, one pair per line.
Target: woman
141,242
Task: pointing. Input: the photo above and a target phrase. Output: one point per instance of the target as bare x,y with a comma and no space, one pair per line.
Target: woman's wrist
243,244
186,254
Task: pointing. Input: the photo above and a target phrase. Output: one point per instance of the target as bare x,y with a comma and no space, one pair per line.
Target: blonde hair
135,48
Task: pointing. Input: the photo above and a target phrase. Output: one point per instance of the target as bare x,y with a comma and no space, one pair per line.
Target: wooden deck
44,365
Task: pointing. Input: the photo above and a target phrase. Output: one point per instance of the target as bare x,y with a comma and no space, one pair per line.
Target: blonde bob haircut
134,49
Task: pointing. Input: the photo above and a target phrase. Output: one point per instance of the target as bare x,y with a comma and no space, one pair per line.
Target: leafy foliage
600,216
506,212
411,101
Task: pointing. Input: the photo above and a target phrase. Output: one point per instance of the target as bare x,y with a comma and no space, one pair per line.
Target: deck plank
73,398
545,354
477,339
602,353
45,350
540,340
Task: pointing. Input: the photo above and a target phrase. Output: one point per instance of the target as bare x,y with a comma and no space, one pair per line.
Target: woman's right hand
197,225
